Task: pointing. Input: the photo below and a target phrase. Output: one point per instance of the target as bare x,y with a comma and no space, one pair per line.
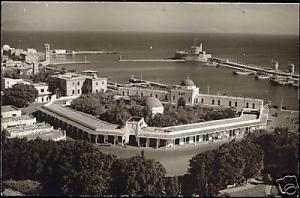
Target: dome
6,47
152,102
187,82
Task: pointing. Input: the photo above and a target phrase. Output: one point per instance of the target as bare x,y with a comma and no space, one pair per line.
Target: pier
153,60
238,66
94,52
70,62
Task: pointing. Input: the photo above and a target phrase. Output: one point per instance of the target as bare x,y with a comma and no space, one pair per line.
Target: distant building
190,93
47,56
9,82
70,84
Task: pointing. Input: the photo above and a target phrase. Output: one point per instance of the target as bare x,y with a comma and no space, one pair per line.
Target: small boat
262,76
244,72
214,64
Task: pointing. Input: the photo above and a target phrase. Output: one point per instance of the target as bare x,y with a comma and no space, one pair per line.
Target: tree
20,95
137,176
171,186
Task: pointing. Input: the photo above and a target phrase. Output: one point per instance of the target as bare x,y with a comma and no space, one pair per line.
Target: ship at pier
196,53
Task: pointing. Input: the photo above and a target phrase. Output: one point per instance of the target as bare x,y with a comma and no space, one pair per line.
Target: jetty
153,60
239,66
94,52
70,62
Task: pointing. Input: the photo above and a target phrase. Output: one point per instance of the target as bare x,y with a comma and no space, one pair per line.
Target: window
96,90
42,99
219,102
173,97
230,103
14,115
189,99
78,91
42,90
247,105
78,83
196,100
202,100
150,95
73,83
166,97
123,93
155,95
235,104
96,83
213,101
127,93
253,105
142,94
137,93
73,91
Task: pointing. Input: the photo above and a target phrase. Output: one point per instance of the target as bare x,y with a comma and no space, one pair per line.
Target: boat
136,80
209,63
295,84
279,80
262,76
244,72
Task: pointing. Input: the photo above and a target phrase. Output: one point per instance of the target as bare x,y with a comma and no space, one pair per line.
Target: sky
151,17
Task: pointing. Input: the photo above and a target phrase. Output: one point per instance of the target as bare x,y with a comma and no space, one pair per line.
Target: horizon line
177,32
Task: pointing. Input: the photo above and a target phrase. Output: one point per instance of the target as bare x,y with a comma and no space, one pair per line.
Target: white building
44,94
71,84
16,125
9,82
190,93
10,111
154,104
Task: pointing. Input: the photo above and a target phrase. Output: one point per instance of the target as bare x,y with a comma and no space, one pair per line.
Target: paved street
174,160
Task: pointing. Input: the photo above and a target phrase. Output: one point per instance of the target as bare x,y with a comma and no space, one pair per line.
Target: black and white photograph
149,99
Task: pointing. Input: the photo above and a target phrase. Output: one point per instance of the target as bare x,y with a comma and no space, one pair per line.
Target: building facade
71,84
44,94
190,93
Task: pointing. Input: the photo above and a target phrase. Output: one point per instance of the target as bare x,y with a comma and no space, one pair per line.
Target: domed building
187,82
6,48
154,104
187,90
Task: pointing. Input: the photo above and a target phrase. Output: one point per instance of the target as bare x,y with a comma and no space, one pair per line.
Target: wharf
153,60
259,69
70,62
95,52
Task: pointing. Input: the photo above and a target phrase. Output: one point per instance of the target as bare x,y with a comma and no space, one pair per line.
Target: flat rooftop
8,108
79,117
37,126
17,118
49,135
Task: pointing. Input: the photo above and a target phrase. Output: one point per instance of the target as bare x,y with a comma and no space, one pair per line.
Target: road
175,160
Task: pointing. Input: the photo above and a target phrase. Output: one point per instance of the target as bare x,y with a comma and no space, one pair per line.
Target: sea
249,49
